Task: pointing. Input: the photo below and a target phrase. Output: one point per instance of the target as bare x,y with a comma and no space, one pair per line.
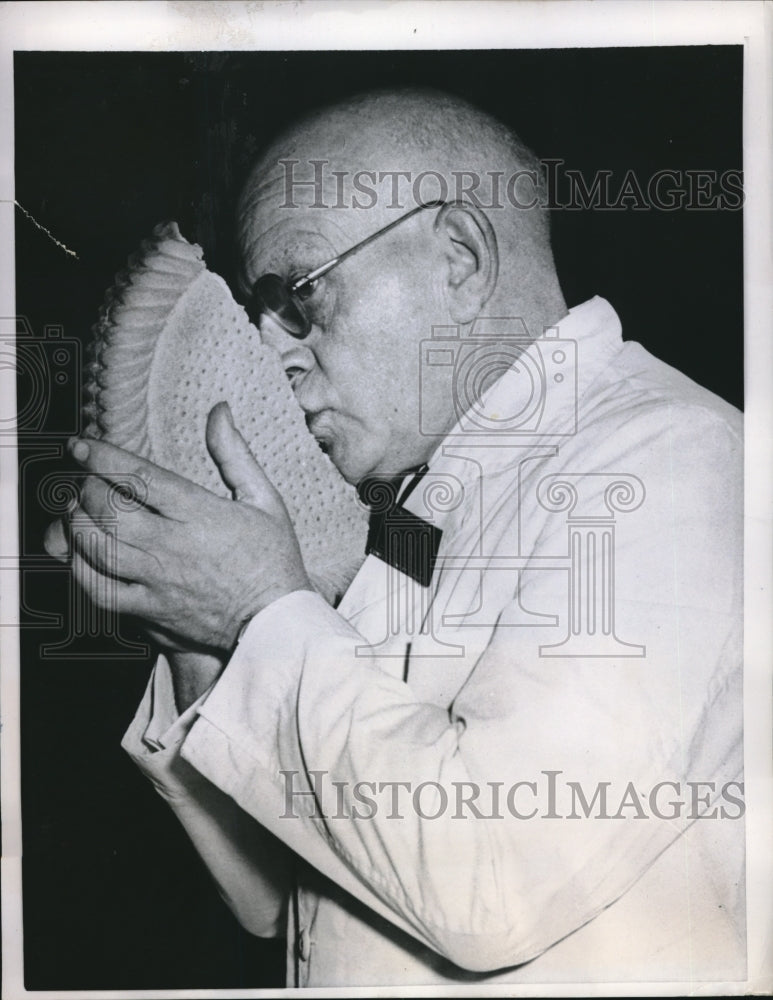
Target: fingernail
78,449
229,415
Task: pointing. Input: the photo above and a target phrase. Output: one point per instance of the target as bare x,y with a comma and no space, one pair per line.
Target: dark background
107,145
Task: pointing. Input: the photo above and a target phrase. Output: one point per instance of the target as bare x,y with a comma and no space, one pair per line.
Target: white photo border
477,24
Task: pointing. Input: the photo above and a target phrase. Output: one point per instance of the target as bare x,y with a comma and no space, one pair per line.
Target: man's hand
189,563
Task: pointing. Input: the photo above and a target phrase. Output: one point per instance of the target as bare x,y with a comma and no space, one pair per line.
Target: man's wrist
263,601
192,674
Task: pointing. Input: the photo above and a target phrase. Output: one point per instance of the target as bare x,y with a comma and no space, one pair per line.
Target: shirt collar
538,397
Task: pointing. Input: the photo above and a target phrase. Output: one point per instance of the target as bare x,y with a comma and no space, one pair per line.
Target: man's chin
352,471
355,460
354,468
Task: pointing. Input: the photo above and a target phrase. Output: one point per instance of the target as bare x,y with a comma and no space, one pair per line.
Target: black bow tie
395,535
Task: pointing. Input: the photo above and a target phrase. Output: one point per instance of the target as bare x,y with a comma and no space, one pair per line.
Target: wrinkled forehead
322,191
306,205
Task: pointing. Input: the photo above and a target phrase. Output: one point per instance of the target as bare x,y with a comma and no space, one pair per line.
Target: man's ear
473,258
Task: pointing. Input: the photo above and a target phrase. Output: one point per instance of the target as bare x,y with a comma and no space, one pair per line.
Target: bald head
380,154
351,338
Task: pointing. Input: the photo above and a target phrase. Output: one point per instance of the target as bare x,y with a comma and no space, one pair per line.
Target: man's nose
296,356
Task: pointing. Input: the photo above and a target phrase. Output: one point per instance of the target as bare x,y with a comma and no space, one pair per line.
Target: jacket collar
538,399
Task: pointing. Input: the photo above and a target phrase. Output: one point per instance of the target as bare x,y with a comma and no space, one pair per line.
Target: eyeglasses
282,301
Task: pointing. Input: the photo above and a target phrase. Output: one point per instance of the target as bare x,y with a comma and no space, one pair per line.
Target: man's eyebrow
301,252
298,243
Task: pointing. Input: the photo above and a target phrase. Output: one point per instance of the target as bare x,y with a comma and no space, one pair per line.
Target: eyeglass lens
272,297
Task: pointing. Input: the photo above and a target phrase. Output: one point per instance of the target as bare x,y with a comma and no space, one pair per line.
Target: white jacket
581,637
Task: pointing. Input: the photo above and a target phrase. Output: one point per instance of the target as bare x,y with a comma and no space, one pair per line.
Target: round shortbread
171,342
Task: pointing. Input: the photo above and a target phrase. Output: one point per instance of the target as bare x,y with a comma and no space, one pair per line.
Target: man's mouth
318,424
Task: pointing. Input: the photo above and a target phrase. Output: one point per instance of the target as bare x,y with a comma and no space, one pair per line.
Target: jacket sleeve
252,870
341,762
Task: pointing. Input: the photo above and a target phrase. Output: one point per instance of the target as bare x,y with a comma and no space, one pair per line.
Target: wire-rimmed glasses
282,300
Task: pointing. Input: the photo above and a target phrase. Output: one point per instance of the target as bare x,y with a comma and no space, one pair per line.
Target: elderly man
512,752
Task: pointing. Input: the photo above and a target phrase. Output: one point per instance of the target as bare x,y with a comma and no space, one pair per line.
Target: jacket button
304,945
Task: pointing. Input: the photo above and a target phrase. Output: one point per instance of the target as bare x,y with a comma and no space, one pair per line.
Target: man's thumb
237,466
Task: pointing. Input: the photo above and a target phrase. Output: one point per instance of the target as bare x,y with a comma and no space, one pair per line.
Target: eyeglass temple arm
330,264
